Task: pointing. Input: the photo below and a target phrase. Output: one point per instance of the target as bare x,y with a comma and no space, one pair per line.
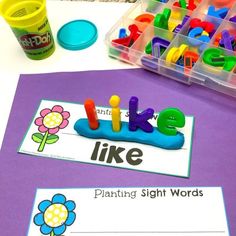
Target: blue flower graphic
55,215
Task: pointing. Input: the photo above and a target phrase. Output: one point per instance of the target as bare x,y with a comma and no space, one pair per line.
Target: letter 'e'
169,119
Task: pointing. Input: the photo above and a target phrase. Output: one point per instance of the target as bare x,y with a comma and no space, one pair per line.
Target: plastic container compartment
182,42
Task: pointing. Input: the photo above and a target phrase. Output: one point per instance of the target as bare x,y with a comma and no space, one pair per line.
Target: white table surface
13,62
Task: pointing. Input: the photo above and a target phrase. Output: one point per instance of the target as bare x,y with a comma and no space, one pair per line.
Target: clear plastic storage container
189,41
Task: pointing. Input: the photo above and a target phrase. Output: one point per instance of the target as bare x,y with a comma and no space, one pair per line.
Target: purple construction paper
213,154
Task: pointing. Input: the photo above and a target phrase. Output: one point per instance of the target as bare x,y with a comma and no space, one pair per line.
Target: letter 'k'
139,120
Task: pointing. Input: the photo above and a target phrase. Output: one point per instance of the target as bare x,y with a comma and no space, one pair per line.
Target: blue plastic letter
221,13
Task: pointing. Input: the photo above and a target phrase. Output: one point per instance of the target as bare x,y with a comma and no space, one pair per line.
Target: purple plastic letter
233,19
139,120
157,42
226,40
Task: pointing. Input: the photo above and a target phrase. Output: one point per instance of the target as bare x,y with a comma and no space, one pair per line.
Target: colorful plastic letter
91,113
139,120
129,40
122,33
195,22
148,48
156,50
205,25
220,13
176,4
180,64
213,53
215,57
115,113
180,26
230,63
145,19
169,119
158,46
175,53
189,59
197,39
191,5
186,18
183,4
172,25
196,33
161,19
208,26
226,40
233,19
155,44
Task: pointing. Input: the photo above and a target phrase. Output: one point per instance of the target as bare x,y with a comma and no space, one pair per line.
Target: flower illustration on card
49,123
55,215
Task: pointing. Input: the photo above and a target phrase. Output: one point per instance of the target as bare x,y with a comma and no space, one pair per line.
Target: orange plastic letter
91,113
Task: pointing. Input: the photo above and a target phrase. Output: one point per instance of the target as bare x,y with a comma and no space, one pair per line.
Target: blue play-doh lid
77,35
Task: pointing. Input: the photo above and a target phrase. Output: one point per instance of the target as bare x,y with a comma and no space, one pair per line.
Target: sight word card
142,211
52,134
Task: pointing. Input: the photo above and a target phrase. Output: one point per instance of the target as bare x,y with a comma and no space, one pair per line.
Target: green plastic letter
169,119
215,57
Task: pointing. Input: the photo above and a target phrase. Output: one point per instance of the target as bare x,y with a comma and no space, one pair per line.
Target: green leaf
37,137
52,139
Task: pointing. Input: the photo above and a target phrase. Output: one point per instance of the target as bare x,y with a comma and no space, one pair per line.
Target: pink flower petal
58,109
38,121
65,114
63,124
53,131
45,111
42,129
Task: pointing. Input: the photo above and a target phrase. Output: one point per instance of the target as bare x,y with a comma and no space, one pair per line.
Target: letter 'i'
115,113
91,113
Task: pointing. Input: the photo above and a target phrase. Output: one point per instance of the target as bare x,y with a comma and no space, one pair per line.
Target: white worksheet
192,211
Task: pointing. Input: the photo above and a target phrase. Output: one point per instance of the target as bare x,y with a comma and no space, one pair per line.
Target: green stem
42,144
52,234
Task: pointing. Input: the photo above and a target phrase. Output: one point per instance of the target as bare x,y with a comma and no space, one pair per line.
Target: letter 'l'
139,120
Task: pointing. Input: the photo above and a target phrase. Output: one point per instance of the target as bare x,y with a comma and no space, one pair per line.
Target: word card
51,134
